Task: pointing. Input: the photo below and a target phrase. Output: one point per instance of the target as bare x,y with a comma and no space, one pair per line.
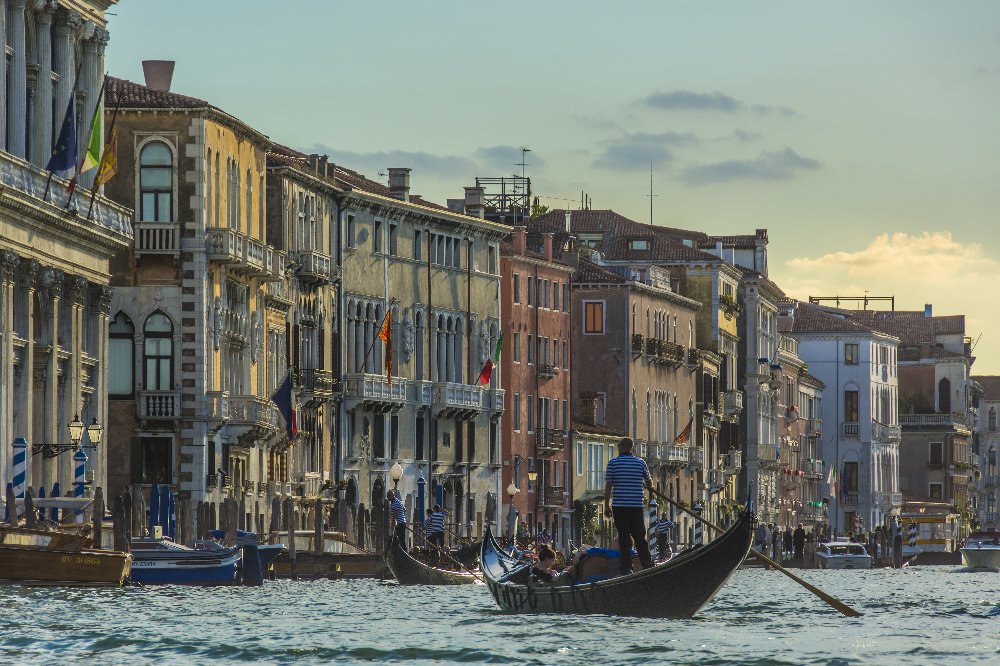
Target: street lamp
395,473
76,428
512,490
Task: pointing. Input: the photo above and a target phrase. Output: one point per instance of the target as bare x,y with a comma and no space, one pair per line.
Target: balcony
652,347
671,352
277,293
933,421
454,400
159,405
732,403
217,406
676,455
767,455
849,497
272,264
224,245
211,481
374,393
885,433
157,238
258,415
693,356
814,427
314,266
852,430
638,343
595,484
317,385
547,371
552,498
732,462
254,258
493,400
989,481
697,460
549,441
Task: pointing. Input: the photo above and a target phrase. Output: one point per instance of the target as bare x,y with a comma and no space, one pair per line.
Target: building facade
536,381
988,430
54,250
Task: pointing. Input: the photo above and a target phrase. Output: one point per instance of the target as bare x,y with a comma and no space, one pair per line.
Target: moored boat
981,551
842,554
678,588
163,562
40,557
410,571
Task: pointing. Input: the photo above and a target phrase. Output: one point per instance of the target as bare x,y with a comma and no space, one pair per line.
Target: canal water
917,615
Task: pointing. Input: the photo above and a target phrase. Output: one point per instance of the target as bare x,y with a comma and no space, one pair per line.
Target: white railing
932,420
159,404
253,410
157,238
885,433
375,387
732,402
314,265
217,405
493,399
697,457
223,244
255,256
452,394
676,454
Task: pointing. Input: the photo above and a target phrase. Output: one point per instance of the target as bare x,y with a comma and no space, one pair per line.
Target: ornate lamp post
395,473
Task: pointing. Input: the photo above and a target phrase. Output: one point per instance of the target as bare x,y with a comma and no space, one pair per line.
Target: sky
863,136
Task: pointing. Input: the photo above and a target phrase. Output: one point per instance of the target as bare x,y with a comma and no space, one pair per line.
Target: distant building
858,366
988,431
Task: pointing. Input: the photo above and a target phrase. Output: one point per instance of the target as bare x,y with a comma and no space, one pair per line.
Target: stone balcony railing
159,404
455,400
852,430
732,462
885,433
24,183
375,392
677,455
768,455
317,384
314,266
224,245
814,427
157,238
697,459
932,420
732,403
217,406
493,400
254,258
253,410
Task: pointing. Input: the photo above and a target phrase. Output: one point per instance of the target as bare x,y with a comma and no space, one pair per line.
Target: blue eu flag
64,152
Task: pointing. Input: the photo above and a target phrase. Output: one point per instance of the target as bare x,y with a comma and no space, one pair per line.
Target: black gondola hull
676,589
410,571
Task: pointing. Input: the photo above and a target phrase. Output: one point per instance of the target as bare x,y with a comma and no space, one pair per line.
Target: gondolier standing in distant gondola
398,516
624,480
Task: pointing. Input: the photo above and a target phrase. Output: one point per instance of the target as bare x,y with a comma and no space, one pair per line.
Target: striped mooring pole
79,467
20,466
697,524
913,535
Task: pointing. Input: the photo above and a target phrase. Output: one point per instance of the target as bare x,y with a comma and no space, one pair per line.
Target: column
450,357
93,78
3,75
50,291
100,308
41,141
67,23
18,81
76,291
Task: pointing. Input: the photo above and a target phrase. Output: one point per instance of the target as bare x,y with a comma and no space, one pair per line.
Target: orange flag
385,335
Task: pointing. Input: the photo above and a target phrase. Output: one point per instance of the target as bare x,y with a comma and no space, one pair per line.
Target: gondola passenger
545,570
624,479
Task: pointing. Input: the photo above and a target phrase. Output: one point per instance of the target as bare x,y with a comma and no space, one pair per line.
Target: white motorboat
842,554
981,551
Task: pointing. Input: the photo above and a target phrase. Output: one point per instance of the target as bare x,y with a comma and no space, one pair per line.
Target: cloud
421,162
504,158
744,135
596,123
688,100
780,165
988,71
638,149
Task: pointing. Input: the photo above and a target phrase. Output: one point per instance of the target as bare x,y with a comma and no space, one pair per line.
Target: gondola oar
836,603
468,570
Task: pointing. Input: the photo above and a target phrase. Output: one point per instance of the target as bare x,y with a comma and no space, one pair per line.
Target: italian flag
484,376
831,480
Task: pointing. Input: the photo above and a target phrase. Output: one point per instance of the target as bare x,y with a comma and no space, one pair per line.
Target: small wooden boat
163,562
410,571
39,557
675,589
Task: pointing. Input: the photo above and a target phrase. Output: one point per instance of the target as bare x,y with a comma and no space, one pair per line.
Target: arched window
944,396
158,352
249,203
121,356
217,192
156,183
208,187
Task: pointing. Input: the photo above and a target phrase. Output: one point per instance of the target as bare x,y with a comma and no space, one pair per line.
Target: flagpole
76,79
111,130
80,160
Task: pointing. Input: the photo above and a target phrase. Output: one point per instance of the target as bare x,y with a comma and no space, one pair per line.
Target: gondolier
663,527
624,479
435,526
398,516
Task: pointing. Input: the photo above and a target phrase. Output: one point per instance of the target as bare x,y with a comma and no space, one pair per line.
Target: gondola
678,588
411,571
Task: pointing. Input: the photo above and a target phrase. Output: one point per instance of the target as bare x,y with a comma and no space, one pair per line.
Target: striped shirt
628,476
397,512
663,527
435,523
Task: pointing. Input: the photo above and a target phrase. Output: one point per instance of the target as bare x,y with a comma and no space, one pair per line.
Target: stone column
67,24
24,390
41,141
93,73
8,274
75,288
18,81
3,76
100,308
49,293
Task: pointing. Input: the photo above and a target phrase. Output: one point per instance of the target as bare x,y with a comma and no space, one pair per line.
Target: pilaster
41,143
18,84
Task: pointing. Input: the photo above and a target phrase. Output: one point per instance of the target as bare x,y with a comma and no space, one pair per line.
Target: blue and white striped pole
79,479
697,524
913,535
20,466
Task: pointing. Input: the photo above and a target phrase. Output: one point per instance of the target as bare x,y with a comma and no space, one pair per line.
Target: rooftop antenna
523,163
651,195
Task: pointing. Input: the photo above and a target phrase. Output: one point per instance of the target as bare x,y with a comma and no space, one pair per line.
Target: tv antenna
523,163
651,195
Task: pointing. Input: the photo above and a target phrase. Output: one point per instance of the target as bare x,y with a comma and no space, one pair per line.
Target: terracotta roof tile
136,96
910,326
808,318
590,428
589,272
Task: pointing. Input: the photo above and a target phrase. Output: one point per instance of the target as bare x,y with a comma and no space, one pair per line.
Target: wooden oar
448,555
836,603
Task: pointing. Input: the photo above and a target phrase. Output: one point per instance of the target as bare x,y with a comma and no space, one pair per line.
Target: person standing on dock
624,479
435,526
398,516
799,542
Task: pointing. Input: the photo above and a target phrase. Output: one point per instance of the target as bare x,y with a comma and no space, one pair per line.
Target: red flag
487,372
385,335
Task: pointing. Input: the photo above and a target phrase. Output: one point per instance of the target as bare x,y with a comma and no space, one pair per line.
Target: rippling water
913,616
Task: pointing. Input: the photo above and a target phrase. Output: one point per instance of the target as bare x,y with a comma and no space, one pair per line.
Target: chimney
319,165
588,407
569,222
520,239
928,310
399,183
474,201
158,73
547,245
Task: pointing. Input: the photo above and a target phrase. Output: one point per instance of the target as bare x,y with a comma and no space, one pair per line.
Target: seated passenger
545,570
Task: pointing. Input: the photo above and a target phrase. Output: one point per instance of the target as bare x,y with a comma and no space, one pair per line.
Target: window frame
156,190
130,337
852,350
587,305
158,357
